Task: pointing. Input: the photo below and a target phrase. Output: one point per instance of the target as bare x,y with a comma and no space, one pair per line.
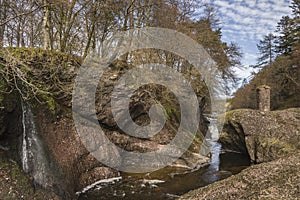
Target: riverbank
271,140
278,179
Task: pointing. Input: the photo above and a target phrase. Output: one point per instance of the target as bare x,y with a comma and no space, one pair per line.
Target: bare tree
46,25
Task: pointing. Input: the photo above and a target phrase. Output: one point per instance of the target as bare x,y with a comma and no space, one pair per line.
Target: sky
245,22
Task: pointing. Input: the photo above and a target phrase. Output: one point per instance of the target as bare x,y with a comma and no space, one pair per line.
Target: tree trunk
46,26
2,17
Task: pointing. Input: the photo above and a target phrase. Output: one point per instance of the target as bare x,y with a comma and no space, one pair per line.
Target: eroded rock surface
73,165
265,136
271,139
278,179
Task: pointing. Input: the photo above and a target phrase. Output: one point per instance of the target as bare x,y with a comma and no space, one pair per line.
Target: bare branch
21,14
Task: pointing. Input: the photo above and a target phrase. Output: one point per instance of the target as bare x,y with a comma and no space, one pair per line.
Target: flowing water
34,158
131,187
24,141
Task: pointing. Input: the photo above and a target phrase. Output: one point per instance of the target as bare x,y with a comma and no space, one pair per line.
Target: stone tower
263,96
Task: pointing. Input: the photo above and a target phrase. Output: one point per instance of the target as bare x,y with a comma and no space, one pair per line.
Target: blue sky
245,22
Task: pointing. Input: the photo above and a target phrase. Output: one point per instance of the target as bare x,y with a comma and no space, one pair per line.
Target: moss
171,111
198,140
282,146
15,184
47,75
51,104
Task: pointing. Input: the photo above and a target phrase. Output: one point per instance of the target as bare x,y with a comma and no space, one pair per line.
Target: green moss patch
15,184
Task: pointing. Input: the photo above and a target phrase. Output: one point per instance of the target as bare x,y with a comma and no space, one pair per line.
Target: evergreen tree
296,8
289,30
286,38
296,21
267,50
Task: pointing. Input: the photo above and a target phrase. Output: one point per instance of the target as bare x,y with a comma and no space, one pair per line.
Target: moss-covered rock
14,184
45,79
269,137
265,136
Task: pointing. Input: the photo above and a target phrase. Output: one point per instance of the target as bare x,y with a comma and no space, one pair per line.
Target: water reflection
146,187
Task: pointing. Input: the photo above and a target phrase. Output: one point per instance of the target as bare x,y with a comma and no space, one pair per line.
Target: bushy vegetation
38,75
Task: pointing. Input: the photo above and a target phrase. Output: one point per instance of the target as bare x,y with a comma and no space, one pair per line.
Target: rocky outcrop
265,136
78,168
269,138
52,76
273,180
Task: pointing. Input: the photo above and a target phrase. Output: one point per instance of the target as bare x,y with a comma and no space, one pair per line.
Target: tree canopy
80,26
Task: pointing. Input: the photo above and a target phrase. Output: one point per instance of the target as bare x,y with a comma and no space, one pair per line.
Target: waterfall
28,125
211,145
34,158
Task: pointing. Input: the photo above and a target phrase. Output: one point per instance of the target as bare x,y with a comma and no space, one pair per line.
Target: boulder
269,138
265,136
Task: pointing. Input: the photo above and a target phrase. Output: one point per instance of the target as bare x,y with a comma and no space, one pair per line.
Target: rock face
78,168
74,166
265,136
273,180
10,125
271,139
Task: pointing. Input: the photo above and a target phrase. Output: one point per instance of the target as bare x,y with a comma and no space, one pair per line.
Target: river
145,186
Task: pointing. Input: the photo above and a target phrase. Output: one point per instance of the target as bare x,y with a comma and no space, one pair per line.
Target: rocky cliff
45,82
269,138
265,136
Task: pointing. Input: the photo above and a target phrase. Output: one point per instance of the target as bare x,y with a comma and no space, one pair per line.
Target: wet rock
2,122
96,174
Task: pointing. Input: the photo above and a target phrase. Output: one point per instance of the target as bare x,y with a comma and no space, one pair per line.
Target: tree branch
21,14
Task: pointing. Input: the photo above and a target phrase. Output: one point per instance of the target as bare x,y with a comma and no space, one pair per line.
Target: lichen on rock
269,138
265,136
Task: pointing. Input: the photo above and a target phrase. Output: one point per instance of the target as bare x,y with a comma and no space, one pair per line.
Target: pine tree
296,7
289,30
296,21
285,40
267,50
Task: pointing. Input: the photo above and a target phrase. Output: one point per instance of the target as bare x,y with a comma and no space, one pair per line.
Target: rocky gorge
271,140
42,156
38,132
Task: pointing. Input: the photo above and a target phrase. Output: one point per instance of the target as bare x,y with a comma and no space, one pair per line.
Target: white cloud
247,21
